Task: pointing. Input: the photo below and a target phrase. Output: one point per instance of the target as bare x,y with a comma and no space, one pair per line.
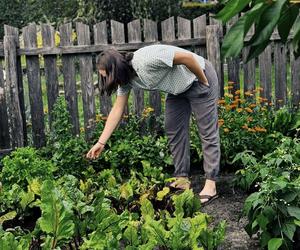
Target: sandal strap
205,196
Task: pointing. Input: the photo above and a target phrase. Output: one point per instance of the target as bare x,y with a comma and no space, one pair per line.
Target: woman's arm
114,118
191,63
112,122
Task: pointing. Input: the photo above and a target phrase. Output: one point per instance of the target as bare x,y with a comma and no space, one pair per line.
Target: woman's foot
208,192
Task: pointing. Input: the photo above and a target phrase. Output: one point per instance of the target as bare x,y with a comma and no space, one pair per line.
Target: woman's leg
203,101
177,117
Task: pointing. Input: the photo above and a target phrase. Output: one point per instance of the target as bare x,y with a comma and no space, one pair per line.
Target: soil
228,207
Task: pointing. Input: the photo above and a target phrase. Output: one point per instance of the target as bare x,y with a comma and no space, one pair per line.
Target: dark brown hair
118,69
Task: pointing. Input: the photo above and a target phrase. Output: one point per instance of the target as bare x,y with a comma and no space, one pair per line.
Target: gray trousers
202,101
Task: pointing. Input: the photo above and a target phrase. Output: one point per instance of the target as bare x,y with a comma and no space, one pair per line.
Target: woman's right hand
95,151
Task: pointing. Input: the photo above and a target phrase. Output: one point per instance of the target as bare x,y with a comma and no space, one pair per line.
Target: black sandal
209,197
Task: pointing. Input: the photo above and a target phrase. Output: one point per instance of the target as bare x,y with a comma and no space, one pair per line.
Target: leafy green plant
24,165
273,209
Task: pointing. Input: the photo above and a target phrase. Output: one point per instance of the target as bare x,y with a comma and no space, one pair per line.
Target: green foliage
273,208
281,14
56,220
24,165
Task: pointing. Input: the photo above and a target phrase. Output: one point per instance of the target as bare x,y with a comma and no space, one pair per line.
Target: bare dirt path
228,207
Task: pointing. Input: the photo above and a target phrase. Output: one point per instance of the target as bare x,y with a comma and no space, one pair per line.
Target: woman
192,86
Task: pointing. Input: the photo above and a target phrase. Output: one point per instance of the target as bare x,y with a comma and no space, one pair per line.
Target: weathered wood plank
12,31
213,53
168,29
280,74
117,32
151,35
4,130
213,21
295,78
184,28
85,49
11,92
69,73
35,90
265,72
51,75
100,37
249,71
233,64
87,85
135,35
199,29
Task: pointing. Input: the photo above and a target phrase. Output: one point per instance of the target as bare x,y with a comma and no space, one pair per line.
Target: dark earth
228,207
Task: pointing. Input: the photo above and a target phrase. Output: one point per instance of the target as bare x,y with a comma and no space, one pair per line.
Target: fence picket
199,29
12,31
249,71
35,90
87,85
51,76
295,79
265,72
4,128
100,37
69,73
134,35
280,74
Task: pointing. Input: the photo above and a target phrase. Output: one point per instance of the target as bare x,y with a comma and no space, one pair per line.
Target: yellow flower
226,130
252,105
237,92
82,129
239,110
251,130
228,95
248,93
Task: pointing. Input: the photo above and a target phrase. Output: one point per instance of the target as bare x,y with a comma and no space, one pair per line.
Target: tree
266,16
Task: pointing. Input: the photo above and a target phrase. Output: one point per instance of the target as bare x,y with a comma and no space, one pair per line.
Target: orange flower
245,126
222,101
230,82
242,101
228,107
260,89
271,104
237,97
248,93
220,122
232,106
237,92
251,130
249,110
250,119
235,102
252,105
226,130
260,129
239,110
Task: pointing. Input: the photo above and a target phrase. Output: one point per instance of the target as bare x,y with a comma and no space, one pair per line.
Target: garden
54,197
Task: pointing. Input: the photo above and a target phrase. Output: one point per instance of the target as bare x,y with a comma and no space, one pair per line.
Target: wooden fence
203,35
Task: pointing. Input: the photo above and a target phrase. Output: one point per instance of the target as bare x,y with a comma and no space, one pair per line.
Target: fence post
213,53
295,78
4,131
12,93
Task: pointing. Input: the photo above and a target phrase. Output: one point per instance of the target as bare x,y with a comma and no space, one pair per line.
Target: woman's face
102,72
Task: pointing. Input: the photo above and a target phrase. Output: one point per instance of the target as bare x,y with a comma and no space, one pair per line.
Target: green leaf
286,21
8,216
147,209
131,234
231,8
126,191
294,211
262,222
274,243
289,230
161,194
297,222
26,199
56,218
267,23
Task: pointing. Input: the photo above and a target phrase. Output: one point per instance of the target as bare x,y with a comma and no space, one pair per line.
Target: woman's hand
95,151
